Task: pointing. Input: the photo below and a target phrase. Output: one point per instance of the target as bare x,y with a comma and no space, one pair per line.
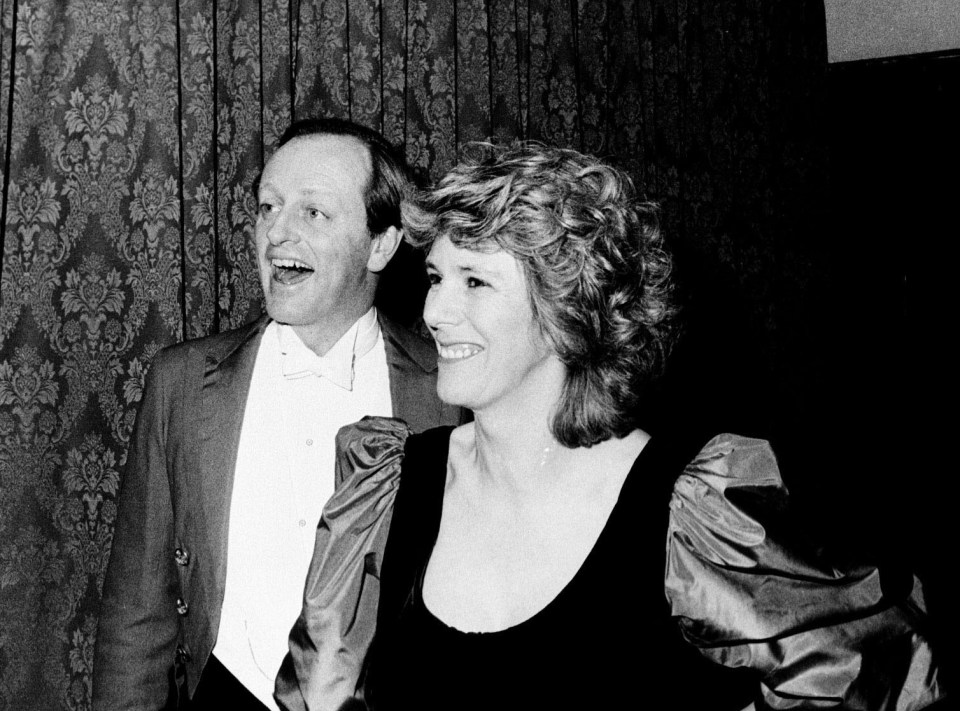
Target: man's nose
280,229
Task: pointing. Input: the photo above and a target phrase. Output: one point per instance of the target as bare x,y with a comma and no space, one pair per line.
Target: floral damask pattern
34,572
32,259
322,83
138,128
431,80
472,89
196,131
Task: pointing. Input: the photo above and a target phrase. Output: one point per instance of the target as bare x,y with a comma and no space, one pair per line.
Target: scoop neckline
542,615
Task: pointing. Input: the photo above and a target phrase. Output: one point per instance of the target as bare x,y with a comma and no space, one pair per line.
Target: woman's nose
440,307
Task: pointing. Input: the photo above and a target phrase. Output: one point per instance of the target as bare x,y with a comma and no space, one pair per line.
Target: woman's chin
454,396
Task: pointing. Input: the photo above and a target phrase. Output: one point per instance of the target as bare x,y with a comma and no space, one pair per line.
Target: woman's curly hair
592,254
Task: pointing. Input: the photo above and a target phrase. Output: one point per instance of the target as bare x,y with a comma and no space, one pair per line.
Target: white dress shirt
283,477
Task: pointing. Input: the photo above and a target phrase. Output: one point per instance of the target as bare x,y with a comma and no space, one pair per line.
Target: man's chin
294,313
284,313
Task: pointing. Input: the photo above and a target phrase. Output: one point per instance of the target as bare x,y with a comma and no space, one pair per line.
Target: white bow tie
299,363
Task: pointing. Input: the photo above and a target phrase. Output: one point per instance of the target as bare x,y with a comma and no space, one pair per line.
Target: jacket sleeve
750,590
329,641
136,638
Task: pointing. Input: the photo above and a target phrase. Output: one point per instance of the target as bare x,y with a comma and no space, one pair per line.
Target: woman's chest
488,573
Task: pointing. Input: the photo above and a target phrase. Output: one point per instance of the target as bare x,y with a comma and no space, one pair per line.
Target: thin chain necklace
545,455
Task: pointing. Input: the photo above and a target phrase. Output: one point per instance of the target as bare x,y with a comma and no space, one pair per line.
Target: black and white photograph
656,291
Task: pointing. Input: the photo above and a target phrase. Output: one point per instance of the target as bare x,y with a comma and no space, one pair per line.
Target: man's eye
314,213
433,278
264,209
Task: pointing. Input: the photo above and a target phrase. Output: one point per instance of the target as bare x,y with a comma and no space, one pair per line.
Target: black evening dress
606,641
702,592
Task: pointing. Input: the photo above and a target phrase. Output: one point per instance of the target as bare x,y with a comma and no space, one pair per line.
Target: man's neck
321,337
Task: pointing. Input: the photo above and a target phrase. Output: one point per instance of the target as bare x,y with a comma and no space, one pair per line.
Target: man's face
312,242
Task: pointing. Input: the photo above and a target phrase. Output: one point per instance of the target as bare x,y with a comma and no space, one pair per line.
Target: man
232,457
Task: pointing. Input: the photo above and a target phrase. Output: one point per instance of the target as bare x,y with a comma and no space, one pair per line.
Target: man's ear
383,248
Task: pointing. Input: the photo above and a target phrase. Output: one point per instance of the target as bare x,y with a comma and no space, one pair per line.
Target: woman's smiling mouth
457,351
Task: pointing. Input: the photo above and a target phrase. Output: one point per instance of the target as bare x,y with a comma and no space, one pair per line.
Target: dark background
853,383
894,140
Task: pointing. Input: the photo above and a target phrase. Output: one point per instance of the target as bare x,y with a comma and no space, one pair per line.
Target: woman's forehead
488,255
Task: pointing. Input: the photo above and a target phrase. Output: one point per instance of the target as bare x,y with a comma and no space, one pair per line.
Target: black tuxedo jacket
164,585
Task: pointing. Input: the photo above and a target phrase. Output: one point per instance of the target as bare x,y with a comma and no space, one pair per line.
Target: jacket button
181,556
182,607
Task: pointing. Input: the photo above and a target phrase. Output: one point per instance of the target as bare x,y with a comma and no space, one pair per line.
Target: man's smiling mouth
290,271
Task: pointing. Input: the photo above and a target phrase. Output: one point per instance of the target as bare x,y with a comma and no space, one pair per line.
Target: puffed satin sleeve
329,640
749,591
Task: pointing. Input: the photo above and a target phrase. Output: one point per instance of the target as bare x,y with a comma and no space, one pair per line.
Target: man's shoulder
410,343
216,346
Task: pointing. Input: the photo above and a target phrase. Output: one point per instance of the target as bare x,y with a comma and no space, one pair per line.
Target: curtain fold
132,131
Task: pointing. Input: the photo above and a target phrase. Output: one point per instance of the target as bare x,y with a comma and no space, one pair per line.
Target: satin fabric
745,586
748,588
330,639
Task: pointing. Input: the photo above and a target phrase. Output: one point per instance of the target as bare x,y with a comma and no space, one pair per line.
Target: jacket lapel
228,367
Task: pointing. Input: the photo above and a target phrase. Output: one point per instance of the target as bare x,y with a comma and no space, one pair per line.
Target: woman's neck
516,452
512,443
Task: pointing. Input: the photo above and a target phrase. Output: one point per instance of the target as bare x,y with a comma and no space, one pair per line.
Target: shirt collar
339,363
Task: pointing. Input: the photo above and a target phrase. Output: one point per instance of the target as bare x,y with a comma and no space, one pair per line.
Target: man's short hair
389,176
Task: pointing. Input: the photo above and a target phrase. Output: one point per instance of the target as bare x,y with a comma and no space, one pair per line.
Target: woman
525,551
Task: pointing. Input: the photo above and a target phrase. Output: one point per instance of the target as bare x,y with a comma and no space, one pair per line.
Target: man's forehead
332,155
318,163
328,144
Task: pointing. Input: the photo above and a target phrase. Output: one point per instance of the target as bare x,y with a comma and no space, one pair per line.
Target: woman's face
491,349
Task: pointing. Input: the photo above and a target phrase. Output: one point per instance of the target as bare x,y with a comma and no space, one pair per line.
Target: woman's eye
474,283
264,209
433,278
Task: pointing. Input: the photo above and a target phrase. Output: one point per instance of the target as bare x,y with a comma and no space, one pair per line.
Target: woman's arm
750,589
329,641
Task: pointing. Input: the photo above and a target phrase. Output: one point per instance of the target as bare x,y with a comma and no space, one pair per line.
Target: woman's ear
384,247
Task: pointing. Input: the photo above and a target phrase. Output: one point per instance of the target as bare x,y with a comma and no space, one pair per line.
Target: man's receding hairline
368,183
346,136
367,151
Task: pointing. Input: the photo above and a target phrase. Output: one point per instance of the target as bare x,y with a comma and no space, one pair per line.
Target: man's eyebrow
329,196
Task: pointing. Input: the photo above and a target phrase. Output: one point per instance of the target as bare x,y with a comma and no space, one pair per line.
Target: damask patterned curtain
131,132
